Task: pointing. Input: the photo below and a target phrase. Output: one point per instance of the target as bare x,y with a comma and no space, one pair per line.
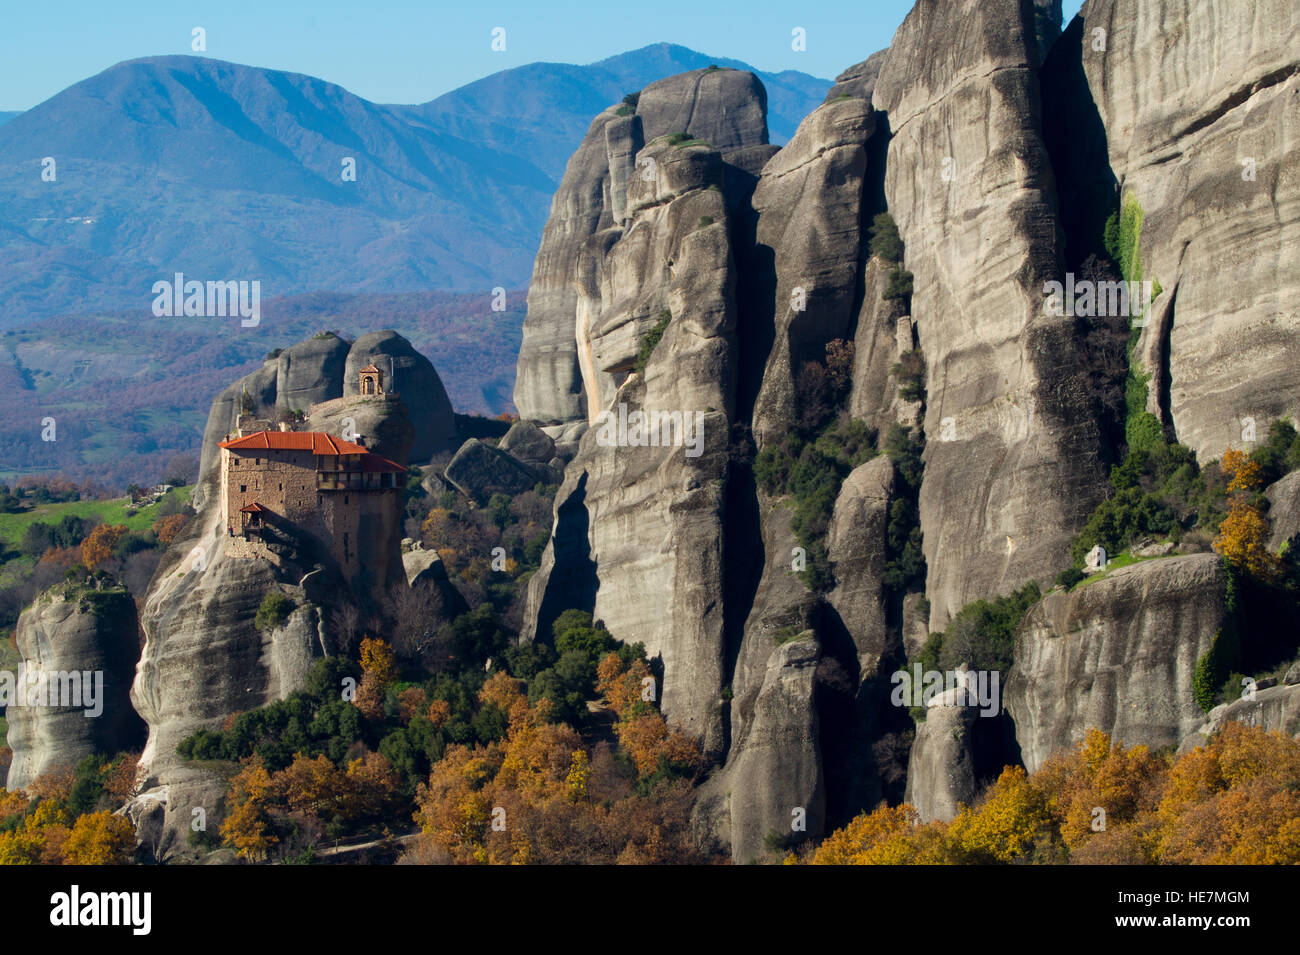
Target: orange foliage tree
99,543
543,796
167,528
378,671
1234,801
1243,534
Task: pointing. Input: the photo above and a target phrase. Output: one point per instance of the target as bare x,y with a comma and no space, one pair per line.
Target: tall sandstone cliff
758,258
1200,104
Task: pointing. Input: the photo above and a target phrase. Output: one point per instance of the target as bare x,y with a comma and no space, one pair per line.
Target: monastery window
243,488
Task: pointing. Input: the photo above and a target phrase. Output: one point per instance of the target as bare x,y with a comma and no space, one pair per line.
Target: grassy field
13,526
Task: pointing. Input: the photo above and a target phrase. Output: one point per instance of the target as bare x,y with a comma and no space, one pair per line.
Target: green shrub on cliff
274,611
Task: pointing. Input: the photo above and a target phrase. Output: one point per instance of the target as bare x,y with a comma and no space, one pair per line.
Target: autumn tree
539,796
1233,801
99,838
167,528
247,826
1242,538
378,671
98,546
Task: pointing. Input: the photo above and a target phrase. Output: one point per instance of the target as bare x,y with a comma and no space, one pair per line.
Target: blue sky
396,51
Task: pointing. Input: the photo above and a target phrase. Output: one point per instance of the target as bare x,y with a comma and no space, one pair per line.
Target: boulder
528,443
382,426
479,470
423,565
1284,510
858,80
310,372
413,378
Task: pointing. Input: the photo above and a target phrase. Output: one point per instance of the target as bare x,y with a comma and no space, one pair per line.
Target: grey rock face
724,108
776,778
1200,108
781,605
941,770
966,161
855,544
204,660
650,517
808,201
858,80
1284,510
1275,710
528,443
311,371
412,376
882,335
92,634
1117,654
480,470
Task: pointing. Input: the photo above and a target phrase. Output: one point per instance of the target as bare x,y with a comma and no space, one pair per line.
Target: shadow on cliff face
743,557
573,582
864,740
1076,146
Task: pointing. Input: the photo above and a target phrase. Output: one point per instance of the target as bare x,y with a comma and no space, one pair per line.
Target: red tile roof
317,442
371,369
253,508
374,463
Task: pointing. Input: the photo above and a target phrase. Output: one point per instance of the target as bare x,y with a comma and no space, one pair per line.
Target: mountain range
222,171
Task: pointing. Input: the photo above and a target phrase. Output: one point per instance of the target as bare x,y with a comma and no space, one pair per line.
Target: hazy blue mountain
541,111
222,171
5,116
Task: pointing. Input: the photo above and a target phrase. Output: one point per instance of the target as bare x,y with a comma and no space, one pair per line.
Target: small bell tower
372,381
